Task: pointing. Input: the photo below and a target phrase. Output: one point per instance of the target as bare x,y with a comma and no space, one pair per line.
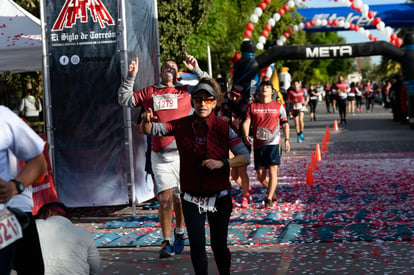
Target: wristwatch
19,186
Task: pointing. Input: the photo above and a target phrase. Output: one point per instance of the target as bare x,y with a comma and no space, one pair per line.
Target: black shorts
267,155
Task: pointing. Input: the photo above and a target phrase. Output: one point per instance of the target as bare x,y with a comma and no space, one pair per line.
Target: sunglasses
207,101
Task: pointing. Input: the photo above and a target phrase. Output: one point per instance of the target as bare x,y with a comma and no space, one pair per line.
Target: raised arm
191,64
125,91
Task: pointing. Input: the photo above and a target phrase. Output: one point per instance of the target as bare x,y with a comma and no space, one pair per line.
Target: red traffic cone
318,153
309,176
313,164
327,134
324,147
336,125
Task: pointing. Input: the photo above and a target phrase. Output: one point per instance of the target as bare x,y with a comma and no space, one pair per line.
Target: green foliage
192,25
32,6
16,82
177,21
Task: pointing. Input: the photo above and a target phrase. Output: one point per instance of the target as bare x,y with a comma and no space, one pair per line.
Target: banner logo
329,51
349,18
75,9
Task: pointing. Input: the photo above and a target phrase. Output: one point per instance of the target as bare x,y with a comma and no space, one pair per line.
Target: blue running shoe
302,137
178,244
166,249
299,139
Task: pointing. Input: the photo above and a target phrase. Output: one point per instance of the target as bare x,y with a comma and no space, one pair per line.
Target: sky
352,36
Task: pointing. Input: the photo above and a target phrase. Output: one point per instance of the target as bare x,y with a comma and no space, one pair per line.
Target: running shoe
178,244
302,137
166,249
268,203
299,139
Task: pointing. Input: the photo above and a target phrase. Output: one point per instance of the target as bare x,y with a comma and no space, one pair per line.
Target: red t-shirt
265,119
168,103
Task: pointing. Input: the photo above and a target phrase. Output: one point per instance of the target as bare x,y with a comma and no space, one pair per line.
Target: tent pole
127,110
46,88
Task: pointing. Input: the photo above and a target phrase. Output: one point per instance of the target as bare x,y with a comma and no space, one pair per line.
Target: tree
177,21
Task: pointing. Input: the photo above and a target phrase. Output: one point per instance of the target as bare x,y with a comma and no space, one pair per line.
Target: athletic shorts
166,169
266,155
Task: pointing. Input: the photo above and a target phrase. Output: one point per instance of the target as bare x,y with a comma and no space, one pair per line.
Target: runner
267,116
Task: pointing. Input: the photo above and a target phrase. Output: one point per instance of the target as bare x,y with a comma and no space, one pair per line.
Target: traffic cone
336,125
318,153
327,134
324,147
309,176
313,164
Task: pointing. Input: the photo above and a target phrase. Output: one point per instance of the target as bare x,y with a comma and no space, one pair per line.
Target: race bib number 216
10,229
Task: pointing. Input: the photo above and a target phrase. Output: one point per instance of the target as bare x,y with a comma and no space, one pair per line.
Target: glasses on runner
207,101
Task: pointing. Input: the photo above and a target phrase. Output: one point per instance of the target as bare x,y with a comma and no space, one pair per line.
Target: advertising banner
393,15
84,68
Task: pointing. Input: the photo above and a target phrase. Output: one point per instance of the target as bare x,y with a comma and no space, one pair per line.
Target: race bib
205,204
165,102
297,106
10,229
342,95
263,133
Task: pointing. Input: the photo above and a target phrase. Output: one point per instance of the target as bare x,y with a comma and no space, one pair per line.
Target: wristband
225,163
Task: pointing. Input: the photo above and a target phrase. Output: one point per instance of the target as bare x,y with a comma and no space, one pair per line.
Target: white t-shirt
66,248
17,140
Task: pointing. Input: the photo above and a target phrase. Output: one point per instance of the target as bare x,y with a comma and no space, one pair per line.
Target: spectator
30,106
395,97
204,141
66,248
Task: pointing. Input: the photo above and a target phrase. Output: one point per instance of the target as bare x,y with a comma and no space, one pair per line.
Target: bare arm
286,133
146,121
33,169
245,131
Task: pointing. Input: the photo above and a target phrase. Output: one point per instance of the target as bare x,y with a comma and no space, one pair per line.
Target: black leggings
219,223
312,105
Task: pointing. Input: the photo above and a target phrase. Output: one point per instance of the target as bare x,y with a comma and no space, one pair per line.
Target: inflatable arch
246,68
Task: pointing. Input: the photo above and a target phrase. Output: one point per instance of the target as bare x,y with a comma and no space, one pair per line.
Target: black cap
237,89
55,205
203,87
